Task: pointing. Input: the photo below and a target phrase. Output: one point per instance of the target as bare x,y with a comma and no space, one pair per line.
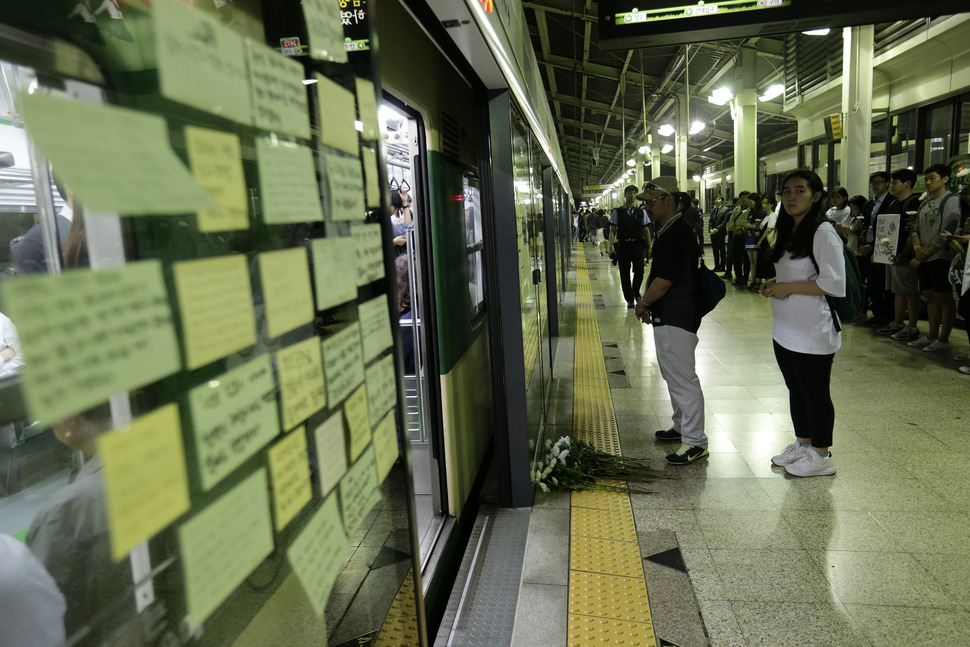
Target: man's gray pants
675,355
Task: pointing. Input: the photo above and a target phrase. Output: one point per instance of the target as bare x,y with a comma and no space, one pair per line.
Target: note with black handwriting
287,183
381,387
302,388
334,271
385,446
216,307
289,470
136,172
331,451
144,478
358,422
370,252
343,364
375,326
371,177
325,30
278,93
216,161
359,491
233,417
221,545
338,113
201,62
285,278
87,335
345,187
316,555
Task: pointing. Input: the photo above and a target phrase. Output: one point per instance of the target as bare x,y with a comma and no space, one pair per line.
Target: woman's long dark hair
756,205
798,242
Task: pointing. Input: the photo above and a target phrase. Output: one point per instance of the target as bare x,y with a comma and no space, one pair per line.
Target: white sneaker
922,341
907,333
791,454
811,464
962,357
936,347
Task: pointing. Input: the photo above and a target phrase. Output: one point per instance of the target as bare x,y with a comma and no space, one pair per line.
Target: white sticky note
325,30
334,271
375,326
367,107
359,491
372,177
370,252
287,183
279,95
343,364
385,446
345,187
381,388
331,451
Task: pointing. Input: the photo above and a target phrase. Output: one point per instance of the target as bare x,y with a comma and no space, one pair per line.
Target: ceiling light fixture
697,178
772,92
696,127
817,32
666,149
643,150
666,130
631,162
720,96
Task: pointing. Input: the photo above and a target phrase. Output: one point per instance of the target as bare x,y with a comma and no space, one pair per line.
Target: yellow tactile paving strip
400,627
607,593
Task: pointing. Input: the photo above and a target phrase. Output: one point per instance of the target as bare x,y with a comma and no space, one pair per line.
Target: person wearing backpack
809,260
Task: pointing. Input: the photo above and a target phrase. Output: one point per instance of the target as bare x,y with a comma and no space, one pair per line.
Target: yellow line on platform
607,593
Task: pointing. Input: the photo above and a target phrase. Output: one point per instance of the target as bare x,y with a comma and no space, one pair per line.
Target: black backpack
850,307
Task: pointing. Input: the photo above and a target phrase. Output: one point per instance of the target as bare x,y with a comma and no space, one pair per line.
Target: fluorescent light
720,96
666,149
697,178
631,162
817,32
309,81
666,130
772,92
696,127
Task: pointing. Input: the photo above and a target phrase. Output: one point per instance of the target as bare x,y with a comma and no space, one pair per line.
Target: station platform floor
732,551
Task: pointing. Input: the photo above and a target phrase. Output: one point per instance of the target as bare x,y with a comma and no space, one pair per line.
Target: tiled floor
877,555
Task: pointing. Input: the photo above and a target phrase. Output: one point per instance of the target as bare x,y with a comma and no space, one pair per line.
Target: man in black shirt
670,305
628,227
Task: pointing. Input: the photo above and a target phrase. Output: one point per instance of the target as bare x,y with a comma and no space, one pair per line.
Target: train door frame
427,333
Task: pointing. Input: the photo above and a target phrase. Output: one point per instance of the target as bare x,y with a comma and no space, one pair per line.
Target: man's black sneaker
667,434
630,304
687,454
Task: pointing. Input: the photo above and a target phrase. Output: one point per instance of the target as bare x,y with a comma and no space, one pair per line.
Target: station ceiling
598,99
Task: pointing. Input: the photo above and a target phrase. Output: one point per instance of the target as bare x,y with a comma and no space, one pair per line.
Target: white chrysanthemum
543,486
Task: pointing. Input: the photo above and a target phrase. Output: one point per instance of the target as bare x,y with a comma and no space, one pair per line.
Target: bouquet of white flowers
572,464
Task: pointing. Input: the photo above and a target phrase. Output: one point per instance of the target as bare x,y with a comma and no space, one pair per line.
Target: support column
856,107
655,157
745,113
680,143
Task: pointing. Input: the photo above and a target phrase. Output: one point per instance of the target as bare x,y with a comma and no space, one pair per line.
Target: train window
937,134
963,143
902,140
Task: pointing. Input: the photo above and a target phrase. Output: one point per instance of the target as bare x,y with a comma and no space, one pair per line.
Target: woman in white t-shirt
804,332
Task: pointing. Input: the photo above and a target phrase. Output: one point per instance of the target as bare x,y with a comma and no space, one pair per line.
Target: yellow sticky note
337,116
216,307
233,417
136,172
370,252
334,271
290,474
358,422
216,161
372,177
325,30
385,446
278,93
358,491
201,62
287,183
317,553
345,187
375,326
144,478
367,107
221,545
343,363
285,277
87,335
302,388
331,451
381,387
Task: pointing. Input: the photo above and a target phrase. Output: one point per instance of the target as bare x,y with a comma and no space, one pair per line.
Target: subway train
308,382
